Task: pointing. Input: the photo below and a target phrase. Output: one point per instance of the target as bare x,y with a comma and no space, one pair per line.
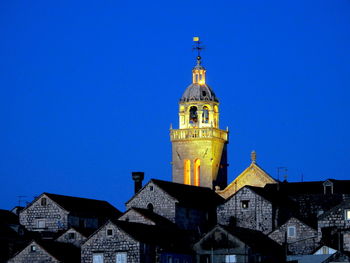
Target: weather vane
197,47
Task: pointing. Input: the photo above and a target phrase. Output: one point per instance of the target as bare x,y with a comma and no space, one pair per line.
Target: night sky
89,89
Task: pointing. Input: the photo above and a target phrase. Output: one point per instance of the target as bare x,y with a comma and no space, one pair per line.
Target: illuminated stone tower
199,155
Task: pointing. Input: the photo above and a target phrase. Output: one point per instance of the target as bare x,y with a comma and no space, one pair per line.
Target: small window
41,223
230,259
121,257
71,235
151,188
32,248
43,201
109,232
347,214
97,258
291,231
245,204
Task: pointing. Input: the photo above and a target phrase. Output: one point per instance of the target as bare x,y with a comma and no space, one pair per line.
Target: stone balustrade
198,133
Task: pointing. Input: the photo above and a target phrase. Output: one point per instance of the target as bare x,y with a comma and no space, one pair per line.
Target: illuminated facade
199,155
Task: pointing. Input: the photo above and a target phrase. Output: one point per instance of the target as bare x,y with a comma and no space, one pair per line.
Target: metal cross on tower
197,47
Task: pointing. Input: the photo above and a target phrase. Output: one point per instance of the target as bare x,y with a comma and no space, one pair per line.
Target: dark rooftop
85,206
168,238
157,219
189,195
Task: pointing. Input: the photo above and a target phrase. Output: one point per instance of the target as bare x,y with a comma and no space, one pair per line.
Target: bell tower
199,147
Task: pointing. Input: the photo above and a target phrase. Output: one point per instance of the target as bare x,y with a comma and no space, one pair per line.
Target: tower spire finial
198,47
253,156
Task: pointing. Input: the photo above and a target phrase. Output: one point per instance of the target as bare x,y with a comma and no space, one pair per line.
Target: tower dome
198,90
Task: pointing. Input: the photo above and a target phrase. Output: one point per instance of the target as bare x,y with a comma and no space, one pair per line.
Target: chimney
138,178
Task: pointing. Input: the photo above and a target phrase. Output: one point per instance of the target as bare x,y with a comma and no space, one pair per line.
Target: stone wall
133,216
304,242
259,215
29,256
162,203
76,241
55,217
108,246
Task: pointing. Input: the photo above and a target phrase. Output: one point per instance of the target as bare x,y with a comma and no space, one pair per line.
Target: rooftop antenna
20,199
284,170
197,46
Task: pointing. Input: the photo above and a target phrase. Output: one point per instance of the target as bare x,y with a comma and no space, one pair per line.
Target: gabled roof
253,175
64,252
83,206
168,238
86,232
189,195
157,219
273,197
311,187
254,239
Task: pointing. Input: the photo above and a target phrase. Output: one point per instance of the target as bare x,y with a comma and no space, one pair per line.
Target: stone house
189,207
121,241
315,197
145,216
234,244
52,212
298,237
334,226
47,251
75,236
255,208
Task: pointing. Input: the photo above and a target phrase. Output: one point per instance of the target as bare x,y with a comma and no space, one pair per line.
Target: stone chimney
138,178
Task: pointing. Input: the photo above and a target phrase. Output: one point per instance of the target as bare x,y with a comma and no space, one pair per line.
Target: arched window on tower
205,115
193,115
187,172
197,172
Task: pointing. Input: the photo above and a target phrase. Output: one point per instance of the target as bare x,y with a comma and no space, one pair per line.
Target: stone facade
33,253
153,197
253,175
72,236
109,245
133,216
249,210
301,239
44,215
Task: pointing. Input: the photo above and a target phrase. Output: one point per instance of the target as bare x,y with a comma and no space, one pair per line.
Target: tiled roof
85,206
188,195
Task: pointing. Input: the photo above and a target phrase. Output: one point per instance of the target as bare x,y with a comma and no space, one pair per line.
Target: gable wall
258,216
77,241
133,216
55,217
163,204
108,246
305,241
27,256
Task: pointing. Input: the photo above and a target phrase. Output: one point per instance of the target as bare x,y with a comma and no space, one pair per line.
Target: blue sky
89,89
